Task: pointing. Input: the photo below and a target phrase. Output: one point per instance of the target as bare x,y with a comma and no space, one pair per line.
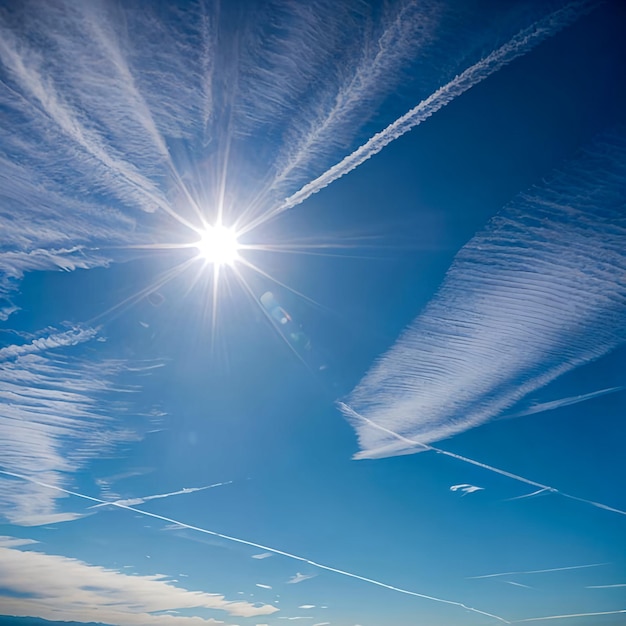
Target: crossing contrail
259,546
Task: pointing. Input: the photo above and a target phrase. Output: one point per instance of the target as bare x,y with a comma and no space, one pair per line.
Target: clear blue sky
462,288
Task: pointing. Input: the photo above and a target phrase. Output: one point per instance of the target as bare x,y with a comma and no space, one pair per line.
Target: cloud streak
54,587
52,421
540,291
259,546
563,402
518,46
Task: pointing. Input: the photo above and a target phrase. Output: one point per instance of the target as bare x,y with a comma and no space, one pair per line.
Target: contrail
541,619
59,340
133,501
416,444
259,546
521,44
537,571
557,404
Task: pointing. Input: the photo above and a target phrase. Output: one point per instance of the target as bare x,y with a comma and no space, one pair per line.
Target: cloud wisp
540,291
563,402
298,578
518,46
53,587
259,546
135,501
466,488
52,420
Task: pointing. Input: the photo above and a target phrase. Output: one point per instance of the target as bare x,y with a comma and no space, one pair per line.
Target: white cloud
263,555
58,588
537,293
465,488
15,542
519,45
262,586
298,578
52,421
307,606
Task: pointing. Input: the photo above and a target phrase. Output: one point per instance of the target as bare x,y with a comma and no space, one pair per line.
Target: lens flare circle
218,245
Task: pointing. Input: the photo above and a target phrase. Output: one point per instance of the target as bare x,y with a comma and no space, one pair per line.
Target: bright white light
219,245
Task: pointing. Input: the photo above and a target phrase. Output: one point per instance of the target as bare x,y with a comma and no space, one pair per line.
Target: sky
312,312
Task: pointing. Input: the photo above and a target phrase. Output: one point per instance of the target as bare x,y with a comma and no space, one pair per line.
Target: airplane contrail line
538,571
516,47
427,447
254,544
542,619
142,499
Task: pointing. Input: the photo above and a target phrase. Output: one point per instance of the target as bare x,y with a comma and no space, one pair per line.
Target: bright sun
218,245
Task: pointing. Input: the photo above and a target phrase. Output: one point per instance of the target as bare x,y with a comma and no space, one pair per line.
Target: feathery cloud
540,291
52,420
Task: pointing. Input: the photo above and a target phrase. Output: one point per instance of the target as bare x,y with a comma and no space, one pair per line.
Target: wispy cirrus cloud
298,578
538,292
55,587
467,77
52,420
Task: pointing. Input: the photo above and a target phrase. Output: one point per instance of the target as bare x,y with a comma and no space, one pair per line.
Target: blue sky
422,424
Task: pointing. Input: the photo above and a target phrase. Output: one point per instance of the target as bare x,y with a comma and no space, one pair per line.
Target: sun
218,245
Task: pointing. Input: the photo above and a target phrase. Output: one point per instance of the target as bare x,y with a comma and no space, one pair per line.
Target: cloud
52,421
253,544
539,292
465,488
263,555
55,587
606,586
518,46
49,342
15,542
298,578
563,402
262,586
307,606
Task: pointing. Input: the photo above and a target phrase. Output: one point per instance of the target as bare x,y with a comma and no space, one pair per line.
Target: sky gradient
402,402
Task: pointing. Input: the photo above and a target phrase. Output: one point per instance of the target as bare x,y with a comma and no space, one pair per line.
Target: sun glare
218,245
